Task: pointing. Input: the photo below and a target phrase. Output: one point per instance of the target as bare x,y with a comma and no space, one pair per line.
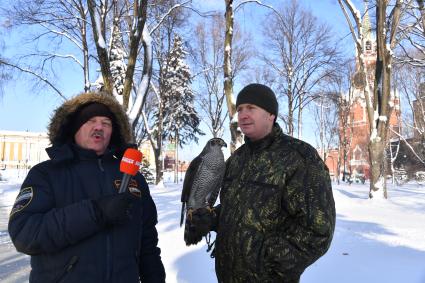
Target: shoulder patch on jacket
133,187
22,200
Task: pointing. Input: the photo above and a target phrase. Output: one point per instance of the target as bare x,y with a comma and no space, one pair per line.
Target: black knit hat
88,111
259,95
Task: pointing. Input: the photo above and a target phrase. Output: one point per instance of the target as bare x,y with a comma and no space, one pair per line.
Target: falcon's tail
182,214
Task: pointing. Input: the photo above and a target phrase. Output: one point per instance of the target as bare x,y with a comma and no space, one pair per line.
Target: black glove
113,209
201,223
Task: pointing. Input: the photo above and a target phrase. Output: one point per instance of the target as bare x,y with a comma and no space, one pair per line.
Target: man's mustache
98,133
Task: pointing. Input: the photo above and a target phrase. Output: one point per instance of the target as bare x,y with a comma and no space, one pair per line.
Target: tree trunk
86,70
176,161
159,158
290,125
236,135
98,26
382,107
299,123
158,164
134,46
377,169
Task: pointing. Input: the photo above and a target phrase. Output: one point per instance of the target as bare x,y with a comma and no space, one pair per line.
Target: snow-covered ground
375,240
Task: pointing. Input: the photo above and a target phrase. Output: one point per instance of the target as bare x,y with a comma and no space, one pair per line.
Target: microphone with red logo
129,166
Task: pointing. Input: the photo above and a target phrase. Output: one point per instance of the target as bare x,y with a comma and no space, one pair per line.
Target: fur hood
59,130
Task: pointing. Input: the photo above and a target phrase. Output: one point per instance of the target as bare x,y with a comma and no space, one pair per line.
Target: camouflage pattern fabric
277,211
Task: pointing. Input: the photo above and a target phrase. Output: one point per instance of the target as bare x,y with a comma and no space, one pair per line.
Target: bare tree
68,30
301,52
412,34
344,103
336,121
345,135
411,82
326,118
235,133
4,75
164,19
95,33
133,17
207,54
377,92
138,35
57,32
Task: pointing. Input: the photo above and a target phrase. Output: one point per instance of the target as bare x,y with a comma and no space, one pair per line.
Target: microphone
129,166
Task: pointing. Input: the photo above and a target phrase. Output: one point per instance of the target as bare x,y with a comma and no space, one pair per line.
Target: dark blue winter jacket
54,221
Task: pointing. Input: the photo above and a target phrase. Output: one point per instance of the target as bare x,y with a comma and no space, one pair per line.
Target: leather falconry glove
203,221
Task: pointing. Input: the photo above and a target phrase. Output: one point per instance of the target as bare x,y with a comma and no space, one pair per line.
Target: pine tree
146,171
181,121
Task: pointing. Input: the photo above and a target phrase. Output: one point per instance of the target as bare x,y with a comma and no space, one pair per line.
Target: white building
22,150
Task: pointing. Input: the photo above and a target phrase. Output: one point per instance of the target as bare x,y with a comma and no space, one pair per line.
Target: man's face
95,134
255,122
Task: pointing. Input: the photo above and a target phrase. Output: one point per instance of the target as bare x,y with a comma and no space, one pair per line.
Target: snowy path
14,267
375,240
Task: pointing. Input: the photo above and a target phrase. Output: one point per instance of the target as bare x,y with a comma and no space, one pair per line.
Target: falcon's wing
189,177
188,182
219,182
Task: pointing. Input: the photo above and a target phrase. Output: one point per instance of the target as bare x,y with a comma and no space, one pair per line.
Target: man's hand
199,225
113,209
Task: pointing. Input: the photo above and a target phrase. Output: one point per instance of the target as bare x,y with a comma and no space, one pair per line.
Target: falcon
203,178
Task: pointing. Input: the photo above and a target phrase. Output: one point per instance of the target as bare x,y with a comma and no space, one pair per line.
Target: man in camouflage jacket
276,214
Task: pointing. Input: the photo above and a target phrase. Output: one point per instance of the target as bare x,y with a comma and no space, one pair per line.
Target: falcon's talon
189,214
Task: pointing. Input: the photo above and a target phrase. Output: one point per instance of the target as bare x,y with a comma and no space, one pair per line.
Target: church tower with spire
369,44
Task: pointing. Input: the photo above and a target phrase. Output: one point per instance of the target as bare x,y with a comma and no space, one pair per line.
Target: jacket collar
266,141
71,151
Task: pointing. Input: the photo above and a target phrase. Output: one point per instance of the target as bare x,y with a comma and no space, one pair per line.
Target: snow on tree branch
408,145
62,33
153,29
134,110
100,40
357,19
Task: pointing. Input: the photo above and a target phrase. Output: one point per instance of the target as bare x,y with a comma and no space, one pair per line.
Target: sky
375,240
24,107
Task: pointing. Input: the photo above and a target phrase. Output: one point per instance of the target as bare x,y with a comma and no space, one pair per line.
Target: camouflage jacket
277,212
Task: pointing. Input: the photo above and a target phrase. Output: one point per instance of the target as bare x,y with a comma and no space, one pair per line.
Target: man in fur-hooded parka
69,215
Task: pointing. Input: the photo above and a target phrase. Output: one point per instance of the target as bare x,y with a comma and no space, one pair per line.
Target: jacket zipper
108,237
68,268
99,163
108,258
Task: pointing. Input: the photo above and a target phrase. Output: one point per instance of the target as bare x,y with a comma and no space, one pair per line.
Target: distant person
277,213
68,215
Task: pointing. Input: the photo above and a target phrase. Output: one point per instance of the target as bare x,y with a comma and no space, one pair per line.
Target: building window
368,46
